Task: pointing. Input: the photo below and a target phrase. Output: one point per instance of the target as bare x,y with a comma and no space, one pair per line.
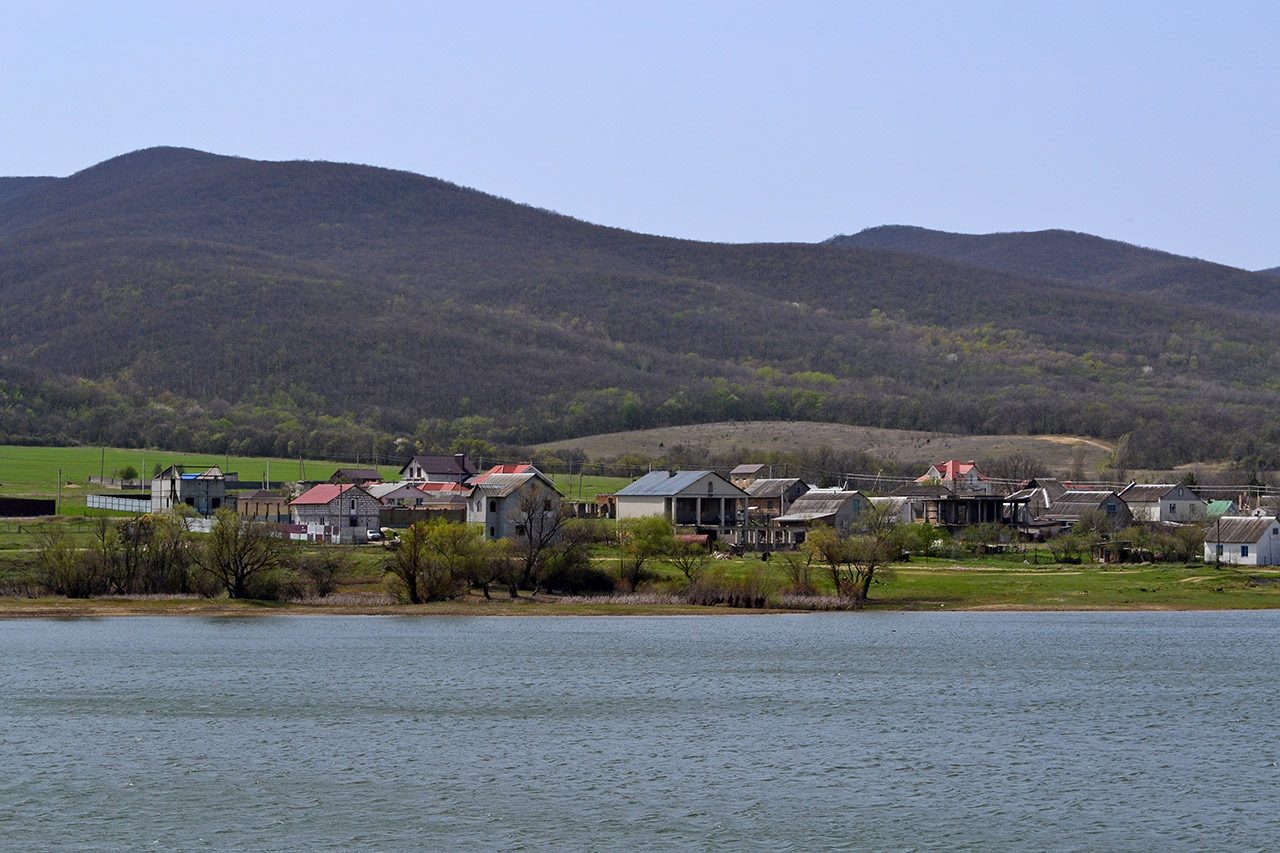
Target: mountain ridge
204,302
1084,259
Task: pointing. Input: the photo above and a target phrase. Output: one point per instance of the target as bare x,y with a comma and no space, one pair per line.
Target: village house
1072,505
962,478
938,505
833,507
359,476
1243,541
506,497
342,512
897,509
1170,503
766,500
744,475
264,506
700,499
205,492
397,494
437,469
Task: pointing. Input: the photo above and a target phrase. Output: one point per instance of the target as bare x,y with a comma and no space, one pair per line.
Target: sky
1155,123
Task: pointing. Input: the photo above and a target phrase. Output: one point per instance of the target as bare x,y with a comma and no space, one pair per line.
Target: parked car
374,535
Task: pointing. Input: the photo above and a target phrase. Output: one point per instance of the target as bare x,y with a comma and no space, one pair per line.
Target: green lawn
586,488
33,471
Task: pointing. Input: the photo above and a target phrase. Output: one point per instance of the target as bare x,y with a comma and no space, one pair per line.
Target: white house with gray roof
1243,541
701,499
495,499
1174,503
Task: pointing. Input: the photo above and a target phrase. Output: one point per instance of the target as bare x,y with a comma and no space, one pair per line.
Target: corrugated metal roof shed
771,488
1239,528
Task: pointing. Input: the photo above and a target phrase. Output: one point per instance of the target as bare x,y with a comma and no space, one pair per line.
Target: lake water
909,731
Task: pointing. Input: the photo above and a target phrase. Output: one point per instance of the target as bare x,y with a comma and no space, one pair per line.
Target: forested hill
175,298
1084,259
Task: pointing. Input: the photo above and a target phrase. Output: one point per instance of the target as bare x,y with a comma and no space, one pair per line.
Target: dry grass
905,447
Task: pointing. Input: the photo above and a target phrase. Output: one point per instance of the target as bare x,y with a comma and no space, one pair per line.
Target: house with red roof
339,511
963,478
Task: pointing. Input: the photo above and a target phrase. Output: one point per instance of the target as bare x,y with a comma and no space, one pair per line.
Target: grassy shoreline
1147,587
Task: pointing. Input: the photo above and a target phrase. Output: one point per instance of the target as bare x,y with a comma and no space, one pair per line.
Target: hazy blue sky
1157,123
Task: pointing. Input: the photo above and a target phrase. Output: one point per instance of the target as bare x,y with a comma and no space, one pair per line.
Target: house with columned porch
700,499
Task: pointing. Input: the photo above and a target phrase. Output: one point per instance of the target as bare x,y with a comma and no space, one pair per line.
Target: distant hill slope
11,188
1271,271
1083,259
911,449
176,298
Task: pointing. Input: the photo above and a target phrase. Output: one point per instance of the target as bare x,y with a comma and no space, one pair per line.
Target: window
353,506
492,533
1111,509
493,506
1173,509
1219,549
1244,550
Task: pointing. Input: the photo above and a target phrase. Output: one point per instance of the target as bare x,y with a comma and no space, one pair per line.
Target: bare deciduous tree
238,552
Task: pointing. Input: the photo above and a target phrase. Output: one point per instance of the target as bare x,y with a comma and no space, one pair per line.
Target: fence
136,504
113,483
26,507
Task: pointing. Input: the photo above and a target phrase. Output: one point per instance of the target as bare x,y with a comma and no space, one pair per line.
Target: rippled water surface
1061,731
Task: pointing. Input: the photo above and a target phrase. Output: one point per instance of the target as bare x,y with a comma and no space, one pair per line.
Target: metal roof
1239,528
1153,493
501,485
771,488
666,484
1072,504
819,503
324,493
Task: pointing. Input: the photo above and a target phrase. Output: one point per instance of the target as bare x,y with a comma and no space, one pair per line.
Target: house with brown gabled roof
359,476
344,512
744,475
438,469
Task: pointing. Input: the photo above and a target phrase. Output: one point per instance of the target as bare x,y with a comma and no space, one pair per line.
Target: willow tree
853,561
434,561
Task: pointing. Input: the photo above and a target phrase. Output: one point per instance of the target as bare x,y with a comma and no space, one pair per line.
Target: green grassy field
586,488
33,471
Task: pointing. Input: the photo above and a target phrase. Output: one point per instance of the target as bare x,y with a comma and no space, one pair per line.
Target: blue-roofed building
700,499
205,492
